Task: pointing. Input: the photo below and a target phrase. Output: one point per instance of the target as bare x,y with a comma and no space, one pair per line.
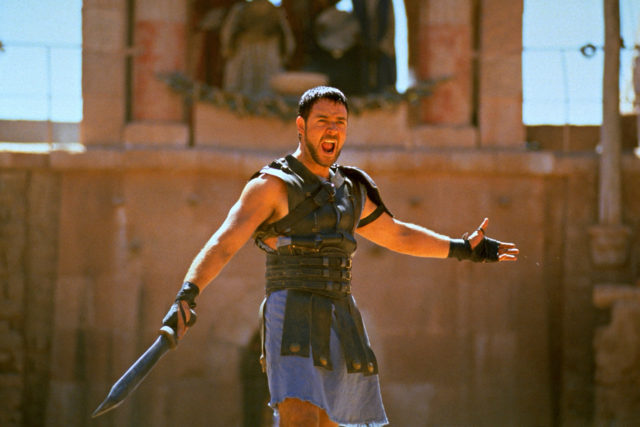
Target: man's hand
181,316
506,251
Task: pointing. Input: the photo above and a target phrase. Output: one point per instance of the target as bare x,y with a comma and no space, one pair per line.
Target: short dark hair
313,95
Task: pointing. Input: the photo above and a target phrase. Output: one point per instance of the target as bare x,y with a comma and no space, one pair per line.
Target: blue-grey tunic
349,399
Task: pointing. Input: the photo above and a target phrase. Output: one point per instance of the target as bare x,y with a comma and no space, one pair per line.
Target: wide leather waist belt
309,260
327,275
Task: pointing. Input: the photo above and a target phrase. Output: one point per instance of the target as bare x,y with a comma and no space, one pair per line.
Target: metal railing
41,82
560,85
563,85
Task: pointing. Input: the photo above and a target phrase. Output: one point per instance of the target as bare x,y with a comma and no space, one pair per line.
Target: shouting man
304,211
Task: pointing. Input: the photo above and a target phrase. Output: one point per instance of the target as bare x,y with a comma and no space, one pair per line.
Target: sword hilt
170,335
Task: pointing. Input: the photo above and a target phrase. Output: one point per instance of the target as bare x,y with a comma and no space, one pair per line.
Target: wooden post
636,88
610,238
610,203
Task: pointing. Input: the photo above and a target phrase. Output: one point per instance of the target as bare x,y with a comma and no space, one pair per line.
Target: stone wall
96,244
617,347
95,241
38,131
29,204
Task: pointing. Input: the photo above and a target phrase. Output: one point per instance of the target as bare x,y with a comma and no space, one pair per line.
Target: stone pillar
500,73
446,34
13,248
441,48
157,113
617,356
96,301
103,72
610,238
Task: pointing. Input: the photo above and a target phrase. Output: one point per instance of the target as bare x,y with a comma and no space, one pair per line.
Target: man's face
324,132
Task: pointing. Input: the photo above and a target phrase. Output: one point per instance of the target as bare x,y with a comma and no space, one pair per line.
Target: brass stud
356,365
294,348
370,367
323,361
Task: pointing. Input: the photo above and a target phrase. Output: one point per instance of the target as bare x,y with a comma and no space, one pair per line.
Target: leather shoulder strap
357,175
290,170
277,168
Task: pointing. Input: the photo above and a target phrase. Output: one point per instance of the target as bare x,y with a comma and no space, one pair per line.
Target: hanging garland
285,107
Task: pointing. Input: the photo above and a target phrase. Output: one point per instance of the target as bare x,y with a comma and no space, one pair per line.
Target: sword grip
170,335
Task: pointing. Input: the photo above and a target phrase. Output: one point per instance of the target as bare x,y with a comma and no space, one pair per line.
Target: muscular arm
403,237
419,241
260,201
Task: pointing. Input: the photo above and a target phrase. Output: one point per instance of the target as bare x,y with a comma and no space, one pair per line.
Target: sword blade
135,374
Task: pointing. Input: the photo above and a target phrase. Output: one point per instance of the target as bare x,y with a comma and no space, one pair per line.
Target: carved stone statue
204,57
256,41
357,49
378,33
338,52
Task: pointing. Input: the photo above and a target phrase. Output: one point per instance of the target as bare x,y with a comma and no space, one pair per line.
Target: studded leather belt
318,300
329,275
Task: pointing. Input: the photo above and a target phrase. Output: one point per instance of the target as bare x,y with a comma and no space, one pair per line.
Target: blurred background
129,127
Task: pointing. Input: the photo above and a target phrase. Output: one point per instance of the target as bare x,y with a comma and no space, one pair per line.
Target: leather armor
312,261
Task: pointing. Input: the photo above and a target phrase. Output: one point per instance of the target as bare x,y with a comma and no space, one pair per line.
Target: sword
138,371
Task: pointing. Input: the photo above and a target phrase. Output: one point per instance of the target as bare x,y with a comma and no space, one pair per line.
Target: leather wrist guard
485,251
187,293
459,248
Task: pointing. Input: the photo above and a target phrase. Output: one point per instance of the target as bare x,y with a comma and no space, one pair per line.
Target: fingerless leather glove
485,251
187,293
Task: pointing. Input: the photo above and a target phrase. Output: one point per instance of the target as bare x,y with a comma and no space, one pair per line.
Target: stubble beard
313,151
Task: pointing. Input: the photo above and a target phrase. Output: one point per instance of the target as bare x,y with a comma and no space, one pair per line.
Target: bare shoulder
265,195
264,185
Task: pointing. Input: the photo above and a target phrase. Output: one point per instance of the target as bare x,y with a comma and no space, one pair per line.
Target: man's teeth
328,145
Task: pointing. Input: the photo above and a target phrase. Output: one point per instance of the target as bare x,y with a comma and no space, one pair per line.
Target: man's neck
315,168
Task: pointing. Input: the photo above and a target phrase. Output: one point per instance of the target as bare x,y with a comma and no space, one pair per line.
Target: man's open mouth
328,147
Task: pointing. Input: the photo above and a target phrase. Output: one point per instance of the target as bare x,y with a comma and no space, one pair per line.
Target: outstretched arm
405,238
261,200
258,202
416,240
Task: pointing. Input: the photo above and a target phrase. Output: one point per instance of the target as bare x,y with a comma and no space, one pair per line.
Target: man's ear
300,125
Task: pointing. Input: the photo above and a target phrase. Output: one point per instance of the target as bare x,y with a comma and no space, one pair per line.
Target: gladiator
305,211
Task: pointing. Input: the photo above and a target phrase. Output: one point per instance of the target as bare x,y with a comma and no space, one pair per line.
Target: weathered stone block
13,231
500,122
383,127
104,4
501,26
11,389
215,126
450,102
446,54
162,10
501,75
156,134
617,348
103,120
67,404
412,403
444,136
103,30
103,74
37,131
446,12
162,49
610,245
446,49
